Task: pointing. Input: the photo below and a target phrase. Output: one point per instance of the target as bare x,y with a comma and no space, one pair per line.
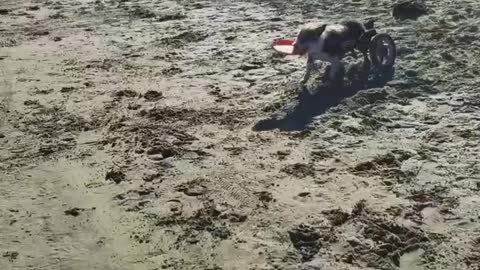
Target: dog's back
342,37
354,28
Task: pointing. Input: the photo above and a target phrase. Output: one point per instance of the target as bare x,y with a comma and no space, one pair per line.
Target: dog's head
307,35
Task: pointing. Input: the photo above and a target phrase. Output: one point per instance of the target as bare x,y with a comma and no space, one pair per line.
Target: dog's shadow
308,106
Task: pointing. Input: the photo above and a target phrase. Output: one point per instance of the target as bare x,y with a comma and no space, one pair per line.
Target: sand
169,135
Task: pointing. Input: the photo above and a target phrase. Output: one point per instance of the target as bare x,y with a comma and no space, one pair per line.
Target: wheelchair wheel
383,51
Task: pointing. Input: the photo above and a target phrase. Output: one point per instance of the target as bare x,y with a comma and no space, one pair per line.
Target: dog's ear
319,30
310,32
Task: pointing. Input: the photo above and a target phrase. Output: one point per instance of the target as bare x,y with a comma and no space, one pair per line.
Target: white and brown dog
329,43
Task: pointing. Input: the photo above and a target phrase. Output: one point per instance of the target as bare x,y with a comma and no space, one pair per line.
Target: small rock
2,135
283,154
4,11
303,194
74,212
33,8
153,95
41,33
251,66
56,39
125,93
264,196
67,89
31,103
160,153
409,9
11,255
115,176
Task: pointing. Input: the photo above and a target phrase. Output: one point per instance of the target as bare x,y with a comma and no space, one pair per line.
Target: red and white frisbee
284,46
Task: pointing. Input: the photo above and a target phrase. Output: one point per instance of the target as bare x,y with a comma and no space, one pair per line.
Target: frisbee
284,46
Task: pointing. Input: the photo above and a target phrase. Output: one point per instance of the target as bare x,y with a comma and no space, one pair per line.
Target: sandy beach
151,134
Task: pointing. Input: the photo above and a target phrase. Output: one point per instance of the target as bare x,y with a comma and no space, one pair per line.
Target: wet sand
169,135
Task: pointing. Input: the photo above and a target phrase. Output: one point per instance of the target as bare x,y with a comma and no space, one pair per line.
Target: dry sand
168,135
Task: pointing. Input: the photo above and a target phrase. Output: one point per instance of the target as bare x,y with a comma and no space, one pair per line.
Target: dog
330,43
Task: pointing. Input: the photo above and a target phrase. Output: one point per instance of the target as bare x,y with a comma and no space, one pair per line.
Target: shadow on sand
309,106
